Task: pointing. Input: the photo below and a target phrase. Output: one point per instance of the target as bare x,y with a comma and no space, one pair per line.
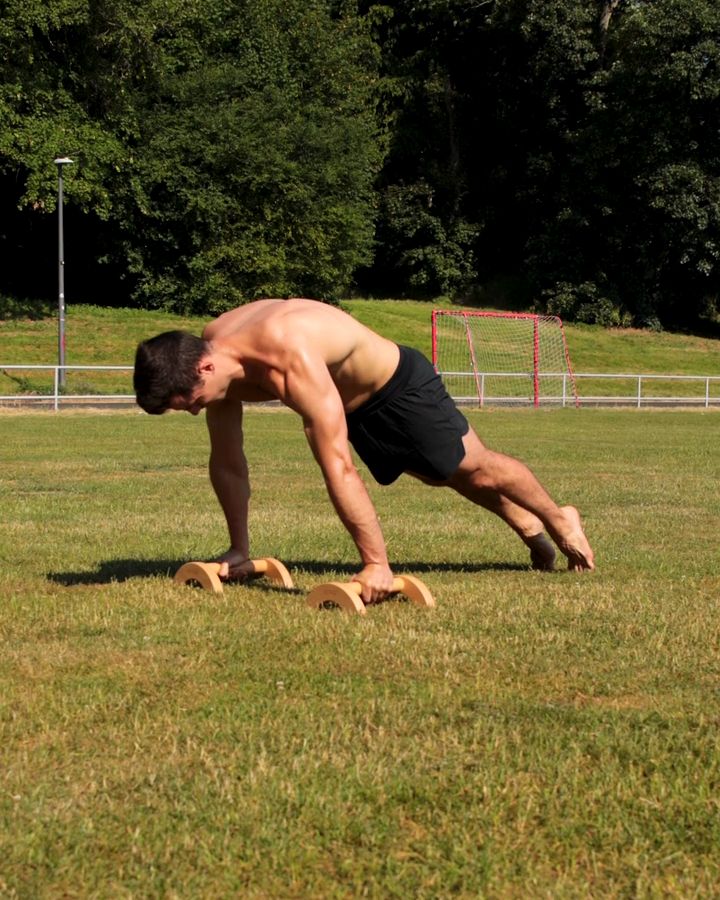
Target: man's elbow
340,470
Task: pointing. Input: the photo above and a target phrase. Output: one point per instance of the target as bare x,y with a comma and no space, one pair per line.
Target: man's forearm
232,488
357,513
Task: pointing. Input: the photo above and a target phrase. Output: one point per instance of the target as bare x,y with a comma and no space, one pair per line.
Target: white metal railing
639,396
57,396
704,398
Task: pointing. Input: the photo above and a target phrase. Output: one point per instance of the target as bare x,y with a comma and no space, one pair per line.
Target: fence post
56,380
707,393
639,393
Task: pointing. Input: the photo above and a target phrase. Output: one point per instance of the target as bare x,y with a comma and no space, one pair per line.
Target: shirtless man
350,386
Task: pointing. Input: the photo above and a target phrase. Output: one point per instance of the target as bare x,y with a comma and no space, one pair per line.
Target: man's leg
508,488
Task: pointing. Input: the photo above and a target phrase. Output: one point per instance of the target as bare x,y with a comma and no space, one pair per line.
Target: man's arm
310,391
230,479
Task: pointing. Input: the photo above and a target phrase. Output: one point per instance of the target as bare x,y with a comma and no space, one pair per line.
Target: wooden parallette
346,595
206,573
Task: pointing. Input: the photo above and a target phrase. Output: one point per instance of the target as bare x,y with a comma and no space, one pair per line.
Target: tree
427,229
255,166
644,230
230,148
69,72
573,144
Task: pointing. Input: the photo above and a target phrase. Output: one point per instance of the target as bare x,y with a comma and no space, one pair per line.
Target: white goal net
503,358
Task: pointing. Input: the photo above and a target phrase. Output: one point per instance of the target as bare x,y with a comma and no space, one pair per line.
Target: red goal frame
537,321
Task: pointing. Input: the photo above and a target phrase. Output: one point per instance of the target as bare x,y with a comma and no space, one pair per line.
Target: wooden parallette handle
206,573
346,595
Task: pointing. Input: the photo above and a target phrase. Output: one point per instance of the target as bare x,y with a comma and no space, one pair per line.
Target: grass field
535,735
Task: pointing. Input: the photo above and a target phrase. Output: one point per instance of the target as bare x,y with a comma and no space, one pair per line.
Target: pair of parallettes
346,595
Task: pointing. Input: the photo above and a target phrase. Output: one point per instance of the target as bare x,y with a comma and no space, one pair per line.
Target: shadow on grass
118,570
404,567
114,570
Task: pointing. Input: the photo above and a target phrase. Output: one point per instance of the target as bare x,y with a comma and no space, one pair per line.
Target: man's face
192,403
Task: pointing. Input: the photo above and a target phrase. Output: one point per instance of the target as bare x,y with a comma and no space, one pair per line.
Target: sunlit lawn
534,735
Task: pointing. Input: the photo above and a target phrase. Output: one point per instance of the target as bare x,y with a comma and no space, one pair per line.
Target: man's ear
206,366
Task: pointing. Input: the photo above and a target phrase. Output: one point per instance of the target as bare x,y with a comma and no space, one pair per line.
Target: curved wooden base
347,595
273,570
206,573
337,593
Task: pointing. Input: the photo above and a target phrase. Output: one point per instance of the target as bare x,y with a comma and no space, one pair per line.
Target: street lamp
60,162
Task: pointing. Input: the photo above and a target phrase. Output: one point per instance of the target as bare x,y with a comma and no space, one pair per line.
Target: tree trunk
608,7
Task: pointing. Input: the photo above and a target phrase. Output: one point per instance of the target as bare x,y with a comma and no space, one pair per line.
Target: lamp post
60,162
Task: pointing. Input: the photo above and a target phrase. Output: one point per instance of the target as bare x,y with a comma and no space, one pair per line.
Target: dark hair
166,367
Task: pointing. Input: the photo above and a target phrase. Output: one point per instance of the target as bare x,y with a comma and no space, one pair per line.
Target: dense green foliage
228,149
559,154
569,146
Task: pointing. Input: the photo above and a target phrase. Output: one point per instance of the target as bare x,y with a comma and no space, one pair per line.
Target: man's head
167,367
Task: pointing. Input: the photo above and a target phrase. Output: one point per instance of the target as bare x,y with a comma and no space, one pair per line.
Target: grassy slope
98,336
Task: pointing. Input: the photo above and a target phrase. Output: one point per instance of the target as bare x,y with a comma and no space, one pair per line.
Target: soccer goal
503,358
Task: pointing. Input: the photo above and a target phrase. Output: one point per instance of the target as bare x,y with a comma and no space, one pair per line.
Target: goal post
503,358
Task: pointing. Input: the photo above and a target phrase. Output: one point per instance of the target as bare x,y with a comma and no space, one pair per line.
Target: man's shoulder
224,324
254,315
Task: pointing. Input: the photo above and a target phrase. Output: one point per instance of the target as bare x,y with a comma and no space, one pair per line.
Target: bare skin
322,364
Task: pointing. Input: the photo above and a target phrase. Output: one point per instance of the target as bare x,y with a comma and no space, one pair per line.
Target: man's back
267,337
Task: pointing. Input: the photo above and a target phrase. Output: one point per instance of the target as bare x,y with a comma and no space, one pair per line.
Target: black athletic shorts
409,425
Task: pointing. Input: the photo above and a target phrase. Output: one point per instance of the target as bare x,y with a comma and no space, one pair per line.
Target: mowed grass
534,735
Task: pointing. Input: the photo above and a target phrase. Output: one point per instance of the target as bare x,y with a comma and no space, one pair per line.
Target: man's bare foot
542,552
575,545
